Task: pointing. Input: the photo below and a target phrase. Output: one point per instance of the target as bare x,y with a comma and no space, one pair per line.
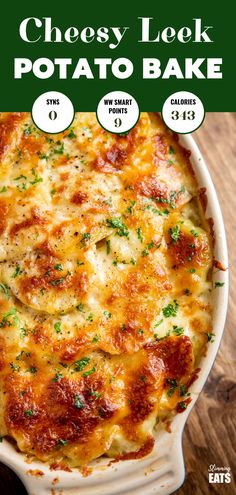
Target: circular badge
183,112
52,112
118,112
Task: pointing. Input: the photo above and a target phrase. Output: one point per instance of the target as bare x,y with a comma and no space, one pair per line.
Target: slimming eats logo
219,474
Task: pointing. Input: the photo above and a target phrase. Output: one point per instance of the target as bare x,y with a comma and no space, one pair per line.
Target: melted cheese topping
105,261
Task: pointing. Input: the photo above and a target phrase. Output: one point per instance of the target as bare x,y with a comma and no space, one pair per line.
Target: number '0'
52,115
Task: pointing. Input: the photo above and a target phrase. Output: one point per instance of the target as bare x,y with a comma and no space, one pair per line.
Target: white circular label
183,112
118,112
52,112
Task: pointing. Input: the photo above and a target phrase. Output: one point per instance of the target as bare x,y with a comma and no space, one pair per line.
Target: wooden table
209,436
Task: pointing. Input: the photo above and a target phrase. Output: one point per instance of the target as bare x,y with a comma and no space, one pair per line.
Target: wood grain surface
209,436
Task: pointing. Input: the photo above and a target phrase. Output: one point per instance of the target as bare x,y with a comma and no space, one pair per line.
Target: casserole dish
162,471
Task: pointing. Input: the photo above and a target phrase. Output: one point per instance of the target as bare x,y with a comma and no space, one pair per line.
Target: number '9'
118,122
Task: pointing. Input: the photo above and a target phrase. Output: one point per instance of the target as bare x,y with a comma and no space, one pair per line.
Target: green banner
149,50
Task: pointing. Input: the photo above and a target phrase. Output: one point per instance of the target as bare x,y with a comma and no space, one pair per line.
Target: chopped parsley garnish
32,370
84,238
22,187
57,327
36,177
87,373
22,353
5,318
170,309
16,272
96,394
117,223
210,336
58,267
57,376
19,153
160,212
96,338
178,330
169,201
140,331
171,150
42,156
108,243
182,405
130,208
108,201
53,191
60,150
71,134
21,177
115,263
80,263
28,413
219,284
158,323
174,233
57,281
64,364
15,367
107,314
28,130
62,441
161,338
187,292
5,289
192,270
4,189
78,403
87,133
145,251
23,333
173,385
140,234
183,391
80,307
81,363
194,233
90,317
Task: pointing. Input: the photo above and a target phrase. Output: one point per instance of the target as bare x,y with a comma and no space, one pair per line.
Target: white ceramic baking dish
161,472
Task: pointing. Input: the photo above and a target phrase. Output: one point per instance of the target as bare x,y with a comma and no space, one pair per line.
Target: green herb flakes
174,233
5,290
170,309
219,284
87,373
81,363
57,327
77,402
117,223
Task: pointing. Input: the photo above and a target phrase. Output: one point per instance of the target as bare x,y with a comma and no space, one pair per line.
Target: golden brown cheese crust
105,262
